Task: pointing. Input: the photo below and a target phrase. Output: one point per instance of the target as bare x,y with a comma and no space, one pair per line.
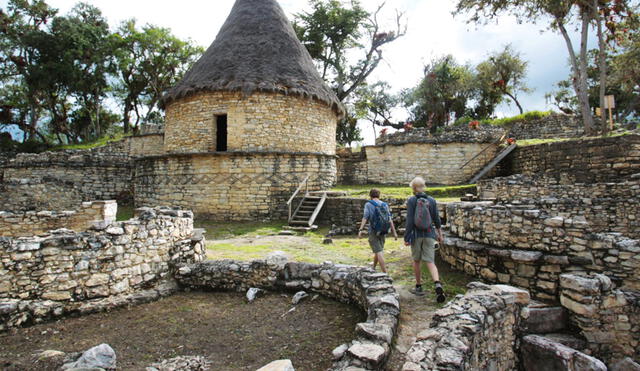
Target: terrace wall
32,223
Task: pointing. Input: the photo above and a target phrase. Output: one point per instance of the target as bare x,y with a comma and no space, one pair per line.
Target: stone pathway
415,316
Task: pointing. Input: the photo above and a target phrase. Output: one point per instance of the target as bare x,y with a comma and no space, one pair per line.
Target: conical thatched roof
256,50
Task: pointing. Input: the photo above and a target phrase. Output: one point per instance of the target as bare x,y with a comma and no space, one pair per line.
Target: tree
332,33
502,74
21,26
149,62
562,14
444,92
375,104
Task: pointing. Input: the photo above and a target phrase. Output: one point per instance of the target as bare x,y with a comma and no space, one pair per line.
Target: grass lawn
442,194
249,241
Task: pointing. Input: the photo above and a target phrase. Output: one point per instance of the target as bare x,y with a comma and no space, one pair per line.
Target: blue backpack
380,220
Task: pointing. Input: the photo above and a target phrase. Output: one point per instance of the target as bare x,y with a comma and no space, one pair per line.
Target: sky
432,32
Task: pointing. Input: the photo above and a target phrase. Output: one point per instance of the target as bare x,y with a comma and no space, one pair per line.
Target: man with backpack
378,215
422,229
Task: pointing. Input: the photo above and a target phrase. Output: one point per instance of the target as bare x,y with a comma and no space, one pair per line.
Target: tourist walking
423,228
378,215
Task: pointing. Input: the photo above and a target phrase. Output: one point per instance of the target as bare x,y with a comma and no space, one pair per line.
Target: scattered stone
183,363
50,354
281,365
338,352
327,241
298,297
277,258
253,293
101,356
286,233
368,352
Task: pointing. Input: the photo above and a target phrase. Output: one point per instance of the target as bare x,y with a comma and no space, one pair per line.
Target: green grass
125,212
527,116
533,142
442,194
308,247
220,231
93,144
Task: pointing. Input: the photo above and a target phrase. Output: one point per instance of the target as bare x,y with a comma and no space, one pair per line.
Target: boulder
101,356
281,365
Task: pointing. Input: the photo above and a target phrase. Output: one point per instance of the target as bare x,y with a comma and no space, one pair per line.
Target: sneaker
418,291
440,296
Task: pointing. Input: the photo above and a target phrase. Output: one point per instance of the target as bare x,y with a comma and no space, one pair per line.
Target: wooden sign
609,102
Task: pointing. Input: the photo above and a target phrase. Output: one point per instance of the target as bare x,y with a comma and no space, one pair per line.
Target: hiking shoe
418,291
440,296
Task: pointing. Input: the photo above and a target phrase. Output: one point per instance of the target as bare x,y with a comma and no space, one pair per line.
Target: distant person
378,215
422,230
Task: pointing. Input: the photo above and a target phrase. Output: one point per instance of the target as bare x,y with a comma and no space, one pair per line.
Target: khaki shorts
423,248
376,242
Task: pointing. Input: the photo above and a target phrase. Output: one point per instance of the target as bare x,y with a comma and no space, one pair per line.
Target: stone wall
529,248
31,223
452,134
96,175
66,272
230,186
586,161
607,207
477,331
260,122
351,167
556,125
371,291
607,317
38,194
436,163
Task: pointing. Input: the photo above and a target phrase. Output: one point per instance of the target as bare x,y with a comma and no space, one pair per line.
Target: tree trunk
602,66
513,98
579,74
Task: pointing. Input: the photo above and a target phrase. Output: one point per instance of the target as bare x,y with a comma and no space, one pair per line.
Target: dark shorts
376,242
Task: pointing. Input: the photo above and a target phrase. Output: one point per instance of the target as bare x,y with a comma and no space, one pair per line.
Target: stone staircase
308,209
501,156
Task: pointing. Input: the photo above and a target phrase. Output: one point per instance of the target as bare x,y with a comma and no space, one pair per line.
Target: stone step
570,340
545,319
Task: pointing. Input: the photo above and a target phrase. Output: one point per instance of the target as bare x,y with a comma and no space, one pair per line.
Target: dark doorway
221,133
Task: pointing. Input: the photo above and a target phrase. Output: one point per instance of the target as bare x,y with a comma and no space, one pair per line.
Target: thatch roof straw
256,50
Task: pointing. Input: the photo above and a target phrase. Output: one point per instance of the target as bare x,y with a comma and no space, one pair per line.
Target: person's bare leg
375,261
417,273
380,258
434,272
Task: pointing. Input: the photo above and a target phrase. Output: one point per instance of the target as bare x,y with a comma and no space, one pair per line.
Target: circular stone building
246,125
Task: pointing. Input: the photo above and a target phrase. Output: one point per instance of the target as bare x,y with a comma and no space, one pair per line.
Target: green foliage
333,32
149,61
404,191
445,90
506,121
58,72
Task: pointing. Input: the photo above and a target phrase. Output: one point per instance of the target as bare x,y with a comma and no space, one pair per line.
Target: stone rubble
182,363
100,357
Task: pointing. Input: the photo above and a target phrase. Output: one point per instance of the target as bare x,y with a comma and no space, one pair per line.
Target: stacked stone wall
607,207
373,292
552,126
96,175
31,223
599,160
66,272
351,167
21,195
436,163
529,248
260,122
477,331
230,186
607,317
